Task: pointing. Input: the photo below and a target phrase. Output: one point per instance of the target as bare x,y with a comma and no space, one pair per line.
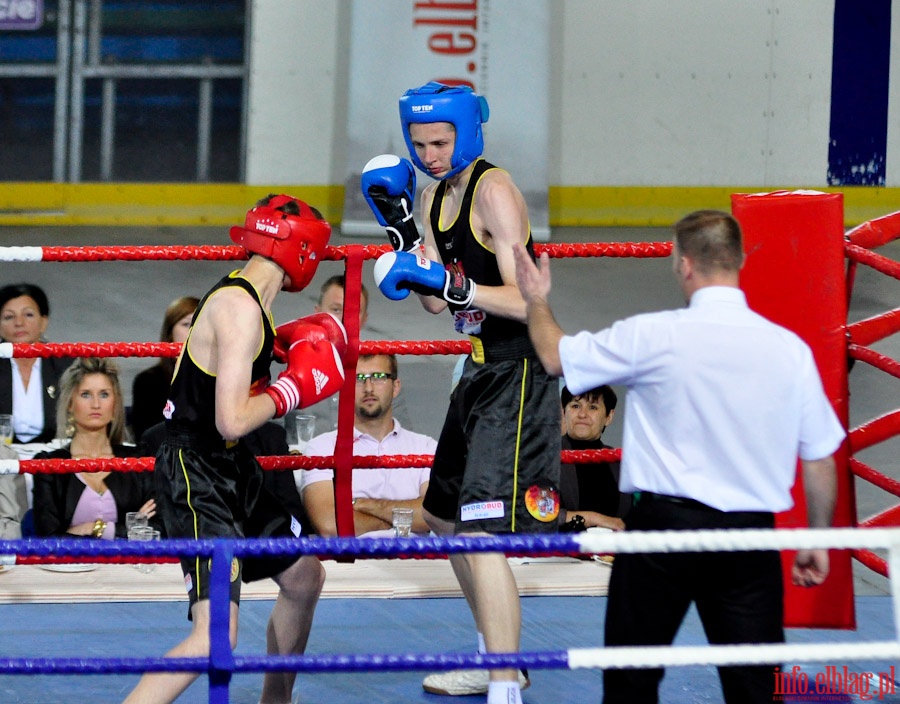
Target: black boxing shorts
496,466
219,494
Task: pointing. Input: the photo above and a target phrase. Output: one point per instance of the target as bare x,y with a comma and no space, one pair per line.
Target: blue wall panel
859,93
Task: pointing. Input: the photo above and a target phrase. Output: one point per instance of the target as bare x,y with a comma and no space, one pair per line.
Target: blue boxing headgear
458,105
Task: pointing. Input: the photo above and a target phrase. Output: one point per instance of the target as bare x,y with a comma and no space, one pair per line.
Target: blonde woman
91,416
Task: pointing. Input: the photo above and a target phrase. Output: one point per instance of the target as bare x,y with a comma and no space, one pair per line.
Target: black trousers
738,596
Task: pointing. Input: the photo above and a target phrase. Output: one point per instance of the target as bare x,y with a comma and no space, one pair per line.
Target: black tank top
191,405
461,251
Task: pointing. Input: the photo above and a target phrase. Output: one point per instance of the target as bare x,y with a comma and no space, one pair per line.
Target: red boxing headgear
296,243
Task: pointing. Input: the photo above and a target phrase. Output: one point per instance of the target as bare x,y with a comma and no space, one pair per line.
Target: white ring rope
21,254
737,539
681,656
729,541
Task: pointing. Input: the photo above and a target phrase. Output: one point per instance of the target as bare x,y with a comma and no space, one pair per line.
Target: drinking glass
403,520
300,428
135,518
144,533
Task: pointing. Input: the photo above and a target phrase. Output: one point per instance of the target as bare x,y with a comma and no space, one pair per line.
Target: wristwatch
99,527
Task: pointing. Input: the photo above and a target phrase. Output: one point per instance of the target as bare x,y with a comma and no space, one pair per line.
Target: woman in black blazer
24,316
91,504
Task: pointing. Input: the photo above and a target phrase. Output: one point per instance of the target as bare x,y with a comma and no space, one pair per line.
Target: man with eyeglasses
376,491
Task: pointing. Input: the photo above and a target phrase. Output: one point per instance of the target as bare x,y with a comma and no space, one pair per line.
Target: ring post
343,447
221,659
794,275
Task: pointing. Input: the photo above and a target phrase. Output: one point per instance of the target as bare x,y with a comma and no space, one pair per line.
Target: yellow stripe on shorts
515,495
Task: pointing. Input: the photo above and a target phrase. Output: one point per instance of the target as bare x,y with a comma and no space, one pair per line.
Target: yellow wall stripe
198,204
148,204
657,206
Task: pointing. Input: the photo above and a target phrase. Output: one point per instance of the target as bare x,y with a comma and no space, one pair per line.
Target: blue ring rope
221,663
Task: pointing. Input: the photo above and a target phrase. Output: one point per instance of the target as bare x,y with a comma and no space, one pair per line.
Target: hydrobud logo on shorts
481,510
296,528
188,583
542,502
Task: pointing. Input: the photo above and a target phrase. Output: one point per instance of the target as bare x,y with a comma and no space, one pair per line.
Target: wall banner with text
498,47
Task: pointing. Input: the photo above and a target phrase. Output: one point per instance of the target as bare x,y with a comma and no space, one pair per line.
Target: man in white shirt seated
376,491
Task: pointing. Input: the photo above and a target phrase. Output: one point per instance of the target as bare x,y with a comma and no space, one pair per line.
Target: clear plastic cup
402,521
135,518
144,534
299,428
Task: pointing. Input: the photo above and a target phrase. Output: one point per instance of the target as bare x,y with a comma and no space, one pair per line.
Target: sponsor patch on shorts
542,502
296,528
481,510
188,583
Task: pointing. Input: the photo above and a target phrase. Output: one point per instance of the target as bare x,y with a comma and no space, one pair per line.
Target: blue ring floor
364,626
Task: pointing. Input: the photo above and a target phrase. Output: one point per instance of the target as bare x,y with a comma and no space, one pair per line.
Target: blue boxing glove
389,186
398,273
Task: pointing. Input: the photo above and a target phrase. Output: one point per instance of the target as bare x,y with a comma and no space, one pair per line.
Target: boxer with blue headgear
496,466
389,182
458,105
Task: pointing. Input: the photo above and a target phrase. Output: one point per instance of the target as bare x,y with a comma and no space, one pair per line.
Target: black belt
504,350
649,496
187,437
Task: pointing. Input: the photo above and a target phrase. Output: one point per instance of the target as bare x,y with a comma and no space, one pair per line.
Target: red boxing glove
314,372
318,326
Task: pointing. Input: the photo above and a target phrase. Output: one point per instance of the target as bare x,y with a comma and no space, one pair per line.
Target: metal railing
59,71
79,59
87,64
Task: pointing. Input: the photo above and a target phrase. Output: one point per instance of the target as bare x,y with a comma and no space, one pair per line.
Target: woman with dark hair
28,386
589,493
91,416
151,387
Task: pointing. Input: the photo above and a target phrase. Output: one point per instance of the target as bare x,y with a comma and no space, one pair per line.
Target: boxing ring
221,665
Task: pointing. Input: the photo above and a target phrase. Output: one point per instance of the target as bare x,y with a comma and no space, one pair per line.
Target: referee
720,404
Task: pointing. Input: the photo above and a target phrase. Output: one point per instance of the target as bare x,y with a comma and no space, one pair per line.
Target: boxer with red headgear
209,485
290,233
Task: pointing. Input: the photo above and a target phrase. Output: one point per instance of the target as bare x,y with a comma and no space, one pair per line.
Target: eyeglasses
379,378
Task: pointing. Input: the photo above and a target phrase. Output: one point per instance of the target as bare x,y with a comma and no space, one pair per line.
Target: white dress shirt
721,402
393,484
27,404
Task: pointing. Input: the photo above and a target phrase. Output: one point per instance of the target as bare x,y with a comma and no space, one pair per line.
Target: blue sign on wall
21,14
859,93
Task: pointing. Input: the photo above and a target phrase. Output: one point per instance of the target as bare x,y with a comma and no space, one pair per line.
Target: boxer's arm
432,304
500,213
234,334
